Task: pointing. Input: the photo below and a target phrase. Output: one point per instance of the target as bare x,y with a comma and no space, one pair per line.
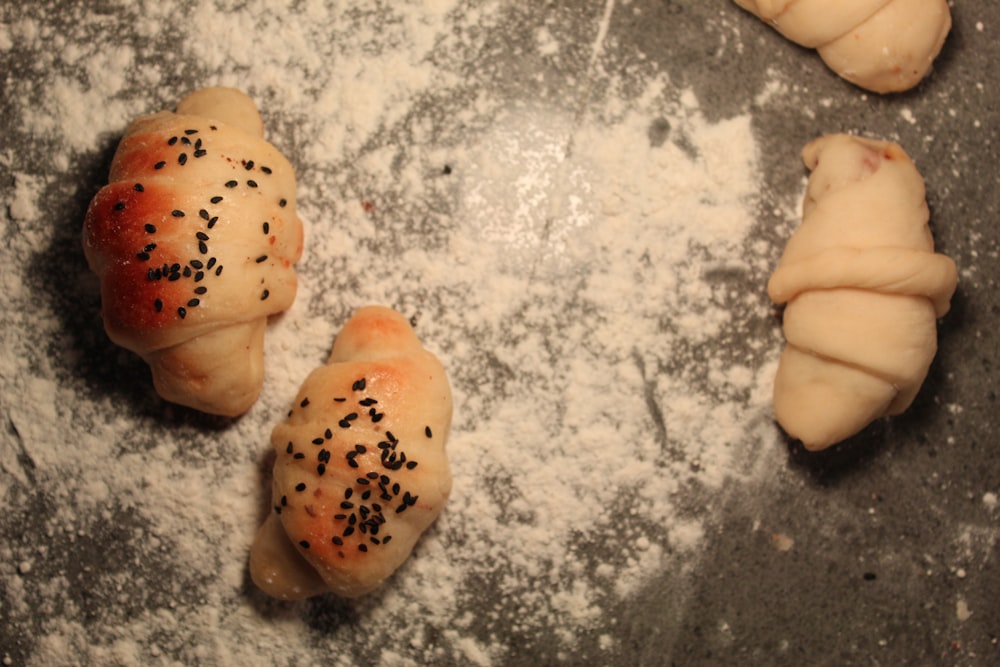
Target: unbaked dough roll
361,470
862,288
194,239
882,45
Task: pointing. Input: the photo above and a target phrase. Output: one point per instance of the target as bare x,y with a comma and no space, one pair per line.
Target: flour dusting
580,267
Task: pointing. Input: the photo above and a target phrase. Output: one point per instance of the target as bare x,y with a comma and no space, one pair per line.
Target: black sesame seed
318,441
182,159
360,449
358,385
427,431
304,403
346,505
372,475
174,276
151,229
120,206
144,256
401,509
150,247
218,271
193,303
299,456
182,312
348,492
267,227
277,510
339,517
304,544
352,463
377,417
343,423
201,152
385,540
203,214
411,465
231,184
348,531
339,542
362,547
320,469
216,199
283,203
262,258
160,165
187,272
189,132
203,249
202,236
339,400
198,277
301,486
266,170
284,501
177,213
138,187
290,447
264,295
252,183
248,164
200,290
158,304
172,141
196,263
211,223
211,263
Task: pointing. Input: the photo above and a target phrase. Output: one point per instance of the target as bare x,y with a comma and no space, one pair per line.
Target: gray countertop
492,170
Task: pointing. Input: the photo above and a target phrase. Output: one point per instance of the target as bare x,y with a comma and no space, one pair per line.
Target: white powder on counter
582,275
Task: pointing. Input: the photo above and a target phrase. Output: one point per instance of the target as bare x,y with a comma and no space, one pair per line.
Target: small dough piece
862,288
361,470
885,46
195,239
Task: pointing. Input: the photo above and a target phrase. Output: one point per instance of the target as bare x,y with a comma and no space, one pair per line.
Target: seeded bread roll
195,239
862,288
884,46
361,470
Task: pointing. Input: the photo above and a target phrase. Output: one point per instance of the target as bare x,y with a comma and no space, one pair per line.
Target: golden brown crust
361,470
195,239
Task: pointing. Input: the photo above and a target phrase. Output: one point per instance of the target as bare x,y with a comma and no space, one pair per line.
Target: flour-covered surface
578,204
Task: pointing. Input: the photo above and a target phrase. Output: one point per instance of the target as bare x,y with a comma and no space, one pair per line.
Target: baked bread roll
195,239
882,45
361,470
862,288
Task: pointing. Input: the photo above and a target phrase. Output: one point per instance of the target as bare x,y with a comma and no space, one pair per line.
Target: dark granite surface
881,551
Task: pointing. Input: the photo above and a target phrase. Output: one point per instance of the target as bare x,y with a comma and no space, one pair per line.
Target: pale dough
862,288
881,45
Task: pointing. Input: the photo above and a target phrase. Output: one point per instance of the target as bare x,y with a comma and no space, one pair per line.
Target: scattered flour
580,268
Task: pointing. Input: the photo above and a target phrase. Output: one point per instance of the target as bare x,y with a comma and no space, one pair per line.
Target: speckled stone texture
881,551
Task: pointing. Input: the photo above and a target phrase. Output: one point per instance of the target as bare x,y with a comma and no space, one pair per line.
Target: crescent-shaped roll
862,288
195,239
360,470
884,46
